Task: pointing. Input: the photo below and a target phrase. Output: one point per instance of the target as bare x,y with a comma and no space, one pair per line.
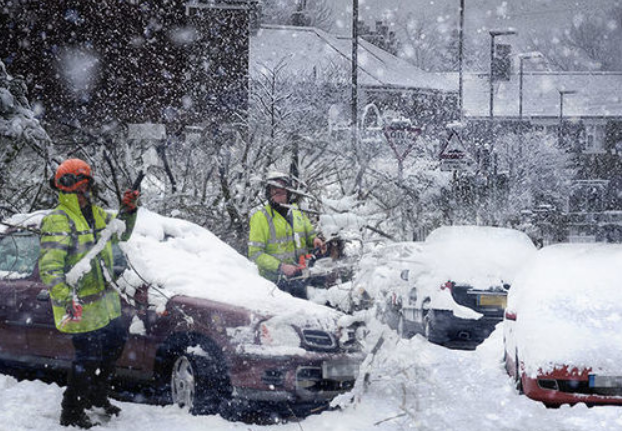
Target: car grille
318,340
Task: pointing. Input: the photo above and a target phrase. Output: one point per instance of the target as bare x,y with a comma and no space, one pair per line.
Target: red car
207,354
562,338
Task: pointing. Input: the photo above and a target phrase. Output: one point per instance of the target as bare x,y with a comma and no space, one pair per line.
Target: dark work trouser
96,353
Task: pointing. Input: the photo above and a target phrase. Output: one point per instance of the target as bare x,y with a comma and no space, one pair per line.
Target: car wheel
198,383
425,319
183,382
518,379
427,326
402,329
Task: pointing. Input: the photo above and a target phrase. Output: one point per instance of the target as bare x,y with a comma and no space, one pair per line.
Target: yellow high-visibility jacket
66,238
272,240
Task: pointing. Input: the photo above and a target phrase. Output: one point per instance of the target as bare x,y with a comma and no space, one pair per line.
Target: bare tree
590,43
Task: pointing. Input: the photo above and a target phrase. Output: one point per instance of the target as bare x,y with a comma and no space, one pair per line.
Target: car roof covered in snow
482,256
569,308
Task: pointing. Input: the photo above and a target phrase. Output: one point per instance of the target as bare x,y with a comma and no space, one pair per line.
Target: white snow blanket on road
414,385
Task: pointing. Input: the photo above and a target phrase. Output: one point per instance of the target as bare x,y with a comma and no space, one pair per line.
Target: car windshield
18,254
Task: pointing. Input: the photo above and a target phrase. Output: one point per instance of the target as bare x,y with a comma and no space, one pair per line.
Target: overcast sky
528,17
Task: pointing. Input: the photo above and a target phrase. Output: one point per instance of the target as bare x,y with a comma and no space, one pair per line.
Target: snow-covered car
206,331
562,326
451,288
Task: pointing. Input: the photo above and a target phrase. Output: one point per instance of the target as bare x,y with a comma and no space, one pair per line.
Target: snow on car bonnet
182,258
569,308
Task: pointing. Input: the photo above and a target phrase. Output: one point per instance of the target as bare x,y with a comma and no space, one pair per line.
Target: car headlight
278,334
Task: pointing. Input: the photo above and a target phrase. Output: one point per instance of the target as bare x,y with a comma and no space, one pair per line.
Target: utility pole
460,62
355,19
521,58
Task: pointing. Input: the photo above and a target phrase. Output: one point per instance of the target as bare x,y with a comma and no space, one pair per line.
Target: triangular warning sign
454,148
454,156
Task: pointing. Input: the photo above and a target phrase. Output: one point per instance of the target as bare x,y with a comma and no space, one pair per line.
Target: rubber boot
101,392
74,401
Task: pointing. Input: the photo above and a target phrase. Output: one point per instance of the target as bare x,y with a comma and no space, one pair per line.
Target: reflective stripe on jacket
66,238
272,240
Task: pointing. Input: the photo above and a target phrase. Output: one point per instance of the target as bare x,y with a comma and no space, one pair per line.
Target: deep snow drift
412,385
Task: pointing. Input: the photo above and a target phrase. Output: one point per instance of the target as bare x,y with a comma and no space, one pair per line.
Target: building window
594,138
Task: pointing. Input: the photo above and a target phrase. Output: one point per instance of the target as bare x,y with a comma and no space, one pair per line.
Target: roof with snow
599,94
308,51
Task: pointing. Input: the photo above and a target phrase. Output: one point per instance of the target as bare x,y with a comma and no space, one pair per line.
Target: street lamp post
562,93
355,19
521,58
493,34
493,161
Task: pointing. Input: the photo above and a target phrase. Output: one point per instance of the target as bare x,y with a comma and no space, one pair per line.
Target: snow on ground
412,385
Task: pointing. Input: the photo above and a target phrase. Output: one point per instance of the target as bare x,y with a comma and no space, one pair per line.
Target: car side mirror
404,275
43,295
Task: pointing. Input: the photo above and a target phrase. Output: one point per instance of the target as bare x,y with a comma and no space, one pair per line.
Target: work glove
289,270
74,311
130,200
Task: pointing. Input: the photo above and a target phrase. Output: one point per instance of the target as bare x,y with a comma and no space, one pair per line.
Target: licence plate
337,370
498,301
605,381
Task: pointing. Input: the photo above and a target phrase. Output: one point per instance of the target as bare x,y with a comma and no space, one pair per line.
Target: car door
12,334
32,311
45,342
18,251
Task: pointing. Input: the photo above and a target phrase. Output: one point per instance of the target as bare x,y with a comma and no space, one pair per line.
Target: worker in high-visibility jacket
279,235
87,308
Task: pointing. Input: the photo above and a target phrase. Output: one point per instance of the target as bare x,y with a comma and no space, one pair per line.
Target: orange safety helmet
71,174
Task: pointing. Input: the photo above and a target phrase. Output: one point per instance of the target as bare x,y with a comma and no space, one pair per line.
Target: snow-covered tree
25,151
539,172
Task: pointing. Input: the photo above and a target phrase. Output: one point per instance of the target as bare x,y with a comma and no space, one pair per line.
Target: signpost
401,136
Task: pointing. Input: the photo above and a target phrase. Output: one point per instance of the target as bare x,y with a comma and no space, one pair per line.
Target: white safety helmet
277,179
273,178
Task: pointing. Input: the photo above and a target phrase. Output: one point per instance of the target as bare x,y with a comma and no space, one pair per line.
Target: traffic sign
454,156
402,137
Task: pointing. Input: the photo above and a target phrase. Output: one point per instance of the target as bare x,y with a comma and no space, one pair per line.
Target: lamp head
507,32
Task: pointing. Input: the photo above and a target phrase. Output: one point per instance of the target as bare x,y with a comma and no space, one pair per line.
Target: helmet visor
71,181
